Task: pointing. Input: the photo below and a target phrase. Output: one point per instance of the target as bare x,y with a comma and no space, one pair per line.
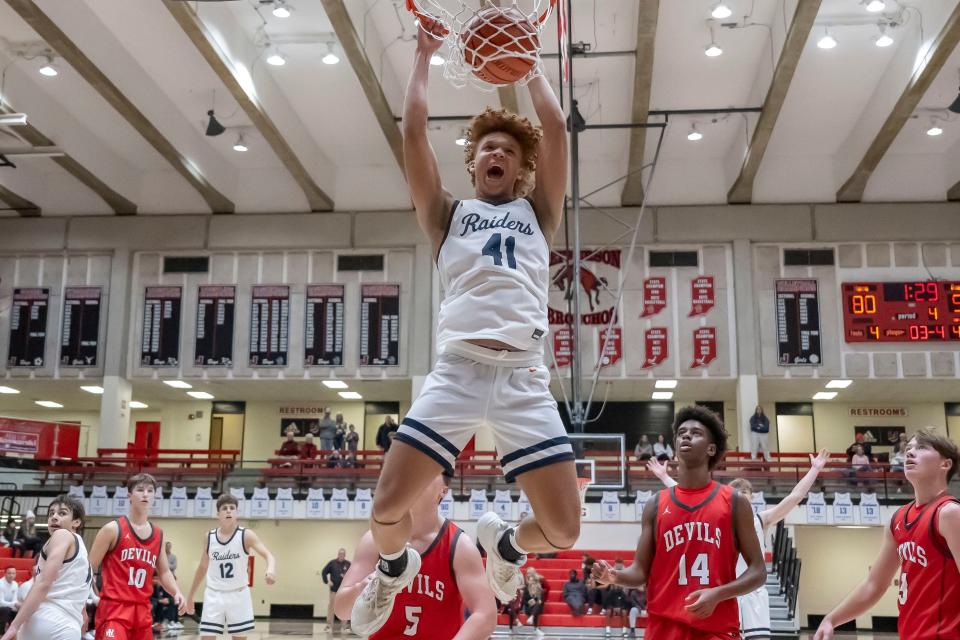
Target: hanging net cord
495,33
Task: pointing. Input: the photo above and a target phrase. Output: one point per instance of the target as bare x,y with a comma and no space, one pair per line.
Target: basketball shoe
504,576
372,608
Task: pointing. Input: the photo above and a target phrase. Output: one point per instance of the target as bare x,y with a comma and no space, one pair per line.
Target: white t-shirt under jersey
494,267
227,569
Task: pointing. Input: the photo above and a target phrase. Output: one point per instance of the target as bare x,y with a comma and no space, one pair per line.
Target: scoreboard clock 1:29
922,311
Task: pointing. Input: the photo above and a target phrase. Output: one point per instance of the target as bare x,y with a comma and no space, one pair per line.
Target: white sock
393,556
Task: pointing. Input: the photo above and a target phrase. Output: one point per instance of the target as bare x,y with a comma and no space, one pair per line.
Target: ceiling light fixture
884,39
461,141
839,384
49,404
662,395
8,390
825,395
240,145
934,129
136,404
214,128
713,50
200,395
694,135
665,384
94,389
436,60
49,69
721,11
281,9
276,58
13,119
178,384
350,395
827,41
334,384
876,6
332,58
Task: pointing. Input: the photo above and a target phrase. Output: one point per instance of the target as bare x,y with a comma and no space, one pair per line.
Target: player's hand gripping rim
430,34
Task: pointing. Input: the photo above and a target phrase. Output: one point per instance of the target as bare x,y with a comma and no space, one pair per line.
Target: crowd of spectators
338,442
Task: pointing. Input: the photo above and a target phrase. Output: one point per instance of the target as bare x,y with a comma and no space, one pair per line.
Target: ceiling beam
72,55
794,43
918,84
353,48
120,205
206,44
953,195
21,205
648,12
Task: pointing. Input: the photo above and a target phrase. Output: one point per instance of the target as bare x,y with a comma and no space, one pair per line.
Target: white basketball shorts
226,612
512,398
50,623
755,614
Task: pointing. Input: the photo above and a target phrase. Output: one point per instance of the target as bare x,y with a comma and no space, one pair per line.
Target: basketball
489,39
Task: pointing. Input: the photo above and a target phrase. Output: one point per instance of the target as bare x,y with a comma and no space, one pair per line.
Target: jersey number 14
492,249
699,569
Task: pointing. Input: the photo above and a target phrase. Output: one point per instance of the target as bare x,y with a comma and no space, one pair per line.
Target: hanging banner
563,346
599,280
654,296
655,346
704,346
214,345
798,323
324,331
701,296
80,336
379,325
611,341
28,327
269,325
161,327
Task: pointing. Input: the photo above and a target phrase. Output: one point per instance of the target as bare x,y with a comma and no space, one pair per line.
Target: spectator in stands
860,461
9,532
350,460
308,450
290,447
332,575
586,565
171,559
8,597
637,601
644,450
352,438
533,599
328,431
164,609
27,538
341,432
662,450
575,594
860,442
512,609
383,433
615,602
594,595
334,460
899,457
759,434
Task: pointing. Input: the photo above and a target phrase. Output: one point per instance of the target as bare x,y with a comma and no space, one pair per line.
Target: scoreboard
923,311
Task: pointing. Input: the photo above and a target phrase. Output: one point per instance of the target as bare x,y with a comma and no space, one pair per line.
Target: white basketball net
482,16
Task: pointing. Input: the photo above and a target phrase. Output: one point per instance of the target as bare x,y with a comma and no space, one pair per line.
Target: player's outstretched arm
61,544
659,469
477,596
169,582
552,157
430,199
867,593
102,544
364,563
199,574
776,513
634,576
252,541
948,524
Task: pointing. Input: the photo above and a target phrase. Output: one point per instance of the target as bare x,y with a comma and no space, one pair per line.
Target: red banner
655,343
563,346
701,295
704,346
612,344
654,296
42,440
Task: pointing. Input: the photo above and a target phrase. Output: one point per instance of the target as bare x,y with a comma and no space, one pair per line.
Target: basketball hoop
481,35
586,475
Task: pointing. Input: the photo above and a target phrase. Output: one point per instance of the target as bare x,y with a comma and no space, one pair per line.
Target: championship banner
160,344
611,342
28,327
324,326
599,278
654,296
704,346
563,347
655,346
214,340
379,325
80,334
269,325
701,296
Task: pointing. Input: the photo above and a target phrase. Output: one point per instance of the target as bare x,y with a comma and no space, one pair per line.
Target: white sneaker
372,609
504,577
540,634
88,635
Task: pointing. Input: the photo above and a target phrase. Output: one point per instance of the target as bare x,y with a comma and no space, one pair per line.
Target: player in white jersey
53,610
755,606
227,605
493,257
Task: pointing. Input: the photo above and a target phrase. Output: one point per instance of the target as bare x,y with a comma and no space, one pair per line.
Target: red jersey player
690,538
924,539
127,552
450,579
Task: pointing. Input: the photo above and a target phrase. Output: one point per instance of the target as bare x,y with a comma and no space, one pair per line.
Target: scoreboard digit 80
925,311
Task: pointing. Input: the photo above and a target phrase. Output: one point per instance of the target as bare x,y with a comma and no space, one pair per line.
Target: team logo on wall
599,280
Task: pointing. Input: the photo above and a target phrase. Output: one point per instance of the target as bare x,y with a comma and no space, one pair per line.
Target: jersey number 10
492,249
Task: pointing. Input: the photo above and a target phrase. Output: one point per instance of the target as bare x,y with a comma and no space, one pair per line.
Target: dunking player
53,610
128,551
924,539
690,539
227,604
493,255
451,576
755,606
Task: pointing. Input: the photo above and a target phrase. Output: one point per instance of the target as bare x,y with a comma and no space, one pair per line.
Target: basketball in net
500,45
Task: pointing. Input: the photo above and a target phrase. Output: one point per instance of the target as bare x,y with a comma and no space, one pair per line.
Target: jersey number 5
492,249
413,617
698,570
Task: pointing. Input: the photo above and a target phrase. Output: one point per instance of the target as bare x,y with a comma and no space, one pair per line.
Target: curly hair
711,421
517,127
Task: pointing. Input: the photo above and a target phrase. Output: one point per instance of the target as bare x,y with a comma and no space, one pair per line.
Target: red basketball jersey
128,568
929,581
695,549
431,607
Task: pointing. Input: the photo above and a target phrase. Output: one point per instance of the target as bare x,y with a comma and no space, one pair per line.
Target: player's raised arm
477,596
867,593
102,544
200,573
430,199
634,576
363,564
62,543
782,509
552,157
252,541
659,469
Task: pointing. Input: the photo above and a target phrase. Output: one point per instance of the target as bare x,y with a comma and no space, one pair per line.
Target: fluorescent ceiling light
721,11
240,145
934,130
436,60
712,50
350,395
178,384
94,389
827,41
694,135
332,58
281,9
335,384
8,390
839,384
876,6
12,119
276,59
49,69
825,395
49,404
200,395
665,384
461,141
136,404
884,39
662,395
